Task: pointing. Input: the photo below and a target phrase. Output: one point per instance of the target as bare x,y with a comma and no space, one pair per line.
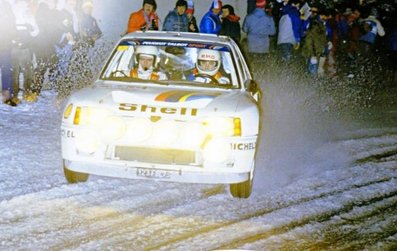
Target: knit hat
217,4
190,7
260,3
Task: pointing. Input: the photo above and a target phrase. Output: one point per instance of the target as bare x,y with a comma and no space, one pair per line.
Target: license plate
154,173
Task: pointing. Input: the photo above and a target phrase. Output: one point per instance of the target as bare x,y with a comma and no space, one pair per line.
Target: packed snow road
311,192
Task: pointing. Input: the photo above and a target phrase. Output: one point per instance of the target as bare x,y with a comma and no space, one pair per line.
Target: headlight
112,128
86,141
216,151
89,116
223,126
165,132
192,134
139,129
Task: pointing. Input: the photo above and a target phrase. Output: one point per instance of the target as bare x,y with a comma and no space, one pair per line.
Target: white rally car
176,120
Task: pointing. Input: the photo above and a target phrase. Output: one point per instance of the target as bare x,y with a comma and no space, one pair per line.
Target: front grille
155,155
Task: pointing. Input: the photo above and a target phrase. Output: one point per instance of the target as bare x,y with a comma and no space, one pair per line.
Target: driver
147,58
207,67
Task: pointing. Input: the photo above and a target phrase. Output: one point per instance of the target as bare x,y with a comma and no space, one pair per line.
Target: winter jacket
210,23
374,28
174,22
139,21
7,27
231,27
50,32
290,26
89,29
26,25
193,22
315,40
259,26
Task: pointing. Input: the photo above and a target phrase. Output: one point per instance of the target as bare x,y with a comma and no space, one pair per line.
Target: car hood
168,101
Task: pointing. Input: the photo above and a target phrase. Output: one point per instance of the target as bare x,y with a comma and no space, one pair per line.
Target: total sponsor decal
184,96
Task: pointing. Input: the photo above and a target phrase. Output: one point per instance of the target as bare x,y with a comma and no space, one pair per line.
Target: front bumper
123,160
186,174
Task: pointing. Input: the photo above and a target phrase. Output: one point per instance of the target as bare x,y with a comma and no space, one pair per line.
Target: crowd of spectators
328,39
40,38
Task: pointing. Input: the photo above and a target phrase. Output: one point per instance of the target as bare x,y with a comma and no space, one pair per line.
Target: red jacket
137,21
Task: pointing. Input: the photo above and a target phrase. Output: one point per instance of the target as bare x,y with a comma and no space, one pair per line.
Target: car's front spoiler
184,174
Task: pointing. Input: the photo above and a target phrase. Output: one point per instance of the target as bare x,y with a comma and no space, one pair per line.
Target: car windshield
172,63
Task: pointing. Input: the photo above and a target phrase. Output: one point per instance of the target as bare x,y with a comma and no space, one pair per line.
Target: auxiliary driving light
165,132
216,151
223,126
139,129
112,128
89,116
192,134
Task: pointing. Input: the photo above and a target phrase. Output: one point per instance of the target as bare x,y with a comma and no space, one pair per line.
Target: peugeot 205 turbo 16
178,107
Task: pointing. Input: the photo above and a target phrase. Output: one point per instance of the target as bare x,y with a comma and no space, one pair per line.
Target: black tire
74,177
241,190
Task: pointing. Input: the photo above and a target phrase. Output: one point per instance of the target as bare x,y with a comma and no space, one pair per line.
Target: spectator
145,18
64,47
211,23
191,18
176,20
230,23
49,35
8,33
89,34
313,45
208,67
349,32
251,5
90,30
259,26
147,59
21,53
324,18
372,27
289,33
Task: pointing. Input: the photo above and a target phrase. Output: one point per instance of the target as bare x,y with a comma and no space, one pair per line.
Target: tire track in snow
80,221
195,228
333,233
284,219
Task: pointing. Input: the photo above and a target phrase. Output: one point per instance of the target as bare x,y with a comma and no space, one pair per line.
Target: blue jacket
370,36
210,23
290,26
174,22
259,26
294,15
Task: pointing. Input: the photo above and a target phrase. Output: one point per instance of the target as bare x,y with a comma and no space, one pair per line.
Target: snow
314,189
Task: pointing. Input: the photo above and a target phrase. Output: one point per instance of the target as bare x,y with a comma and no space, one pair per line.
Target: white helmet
148,50
208,55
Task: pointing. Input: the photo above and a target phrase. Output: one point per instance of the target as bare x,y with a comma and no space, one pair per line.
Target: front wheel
241,190
74,177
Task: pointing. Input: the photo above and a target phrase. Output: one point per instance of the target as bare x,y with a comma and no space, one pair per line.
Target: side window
121,62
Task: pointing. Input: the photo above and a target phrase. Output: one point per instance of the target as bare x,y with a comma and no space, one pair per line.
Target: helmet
150,51
208,55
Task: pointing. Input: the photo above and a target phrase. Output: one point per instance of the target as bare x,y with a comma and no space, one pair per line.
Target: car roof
182,36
